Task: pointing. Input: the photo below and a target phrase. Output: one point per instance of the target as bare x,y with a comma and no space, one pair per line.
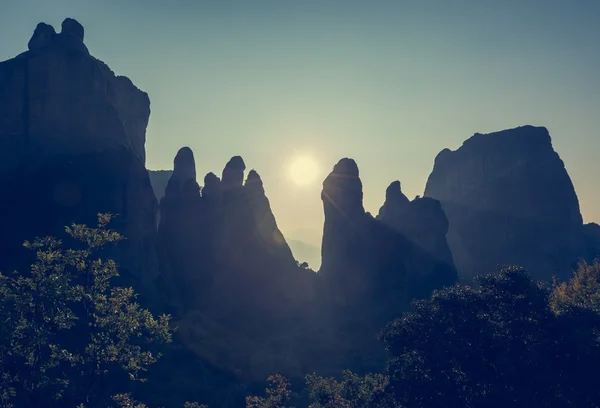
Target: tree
501,344
353,391
278,394
67,336
582,291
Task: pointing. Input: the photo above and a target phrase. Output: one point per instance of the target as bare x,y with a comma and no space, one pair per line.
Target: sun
303,170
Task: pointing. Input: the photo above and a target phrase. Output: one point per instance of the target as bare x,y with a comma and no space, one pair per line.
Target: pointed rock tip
73,28
42,35
212,186
347,167
394,186
394,193
253,176
236,163
185,153
211,178
184,165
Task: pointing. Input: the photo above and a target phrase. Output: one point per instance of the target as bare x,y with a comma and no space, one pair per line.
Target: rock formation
229,267
72,137
422,221
221,241
509,200
591,233
367,262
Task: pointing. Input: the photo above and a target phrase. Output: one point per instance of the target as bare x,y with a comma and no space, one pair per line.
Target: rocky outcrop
509,200
422,221
368,263
72,137
220,240
591,234
370,270
230,269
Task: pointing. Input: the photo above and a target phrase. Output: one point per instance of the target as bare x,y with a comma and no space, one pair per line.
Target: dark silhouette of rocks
42,36
509,200
422,221
223,239
227,265
591,233
72,28
72,137
367,262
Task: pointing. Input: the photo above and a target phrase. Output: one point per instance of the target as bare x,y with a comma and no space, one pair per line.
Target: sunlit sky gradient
389,83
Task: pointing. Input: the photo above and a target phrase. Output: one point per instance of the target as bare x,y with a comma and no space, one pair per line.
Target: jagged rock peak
42,35
347,167
233,173
394,194
254,183
105,111
71,36
253,176
184,165
342,190
212,187
73,28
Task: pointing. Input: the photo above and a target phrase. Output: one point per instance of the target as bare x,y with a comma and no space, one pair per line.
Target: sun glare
303,170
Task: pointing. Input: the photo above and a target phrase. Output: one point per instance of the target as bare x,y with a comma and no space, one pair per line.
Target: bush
68,337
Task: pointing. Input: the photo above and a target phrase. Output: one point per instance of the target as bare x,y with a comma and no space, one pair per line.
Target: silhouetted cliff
509,200
72,137
367,263
422,221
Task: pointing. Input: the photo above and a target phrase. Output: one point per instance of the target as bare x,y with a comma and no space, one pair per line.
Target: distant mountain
305,252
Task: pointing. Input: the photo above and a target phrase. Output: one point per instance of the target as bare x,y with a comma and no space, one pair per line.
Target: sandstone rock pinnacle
233,173
73,28
184,165
42,36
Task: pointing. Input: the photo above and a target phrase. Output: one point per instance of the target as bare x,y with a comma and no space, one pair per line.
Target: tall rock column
72,137
366,261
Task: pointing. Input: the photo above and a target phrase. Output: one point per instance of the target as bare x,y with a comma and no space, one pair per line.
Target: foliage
278,394
582,291
353,391
67,336
498,345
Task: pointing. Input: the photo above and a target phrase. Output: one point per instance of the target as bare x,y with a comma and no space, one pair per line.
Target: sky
388,83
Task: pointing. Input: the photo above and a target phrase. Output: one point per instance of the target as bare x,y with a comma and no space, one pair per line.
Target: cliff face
72,137
509,200
422,221
371,262
219,241
232,277
591,233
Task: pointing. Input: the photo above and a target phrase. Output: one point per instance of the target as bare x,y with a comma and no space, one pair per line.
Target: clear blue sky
389,83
